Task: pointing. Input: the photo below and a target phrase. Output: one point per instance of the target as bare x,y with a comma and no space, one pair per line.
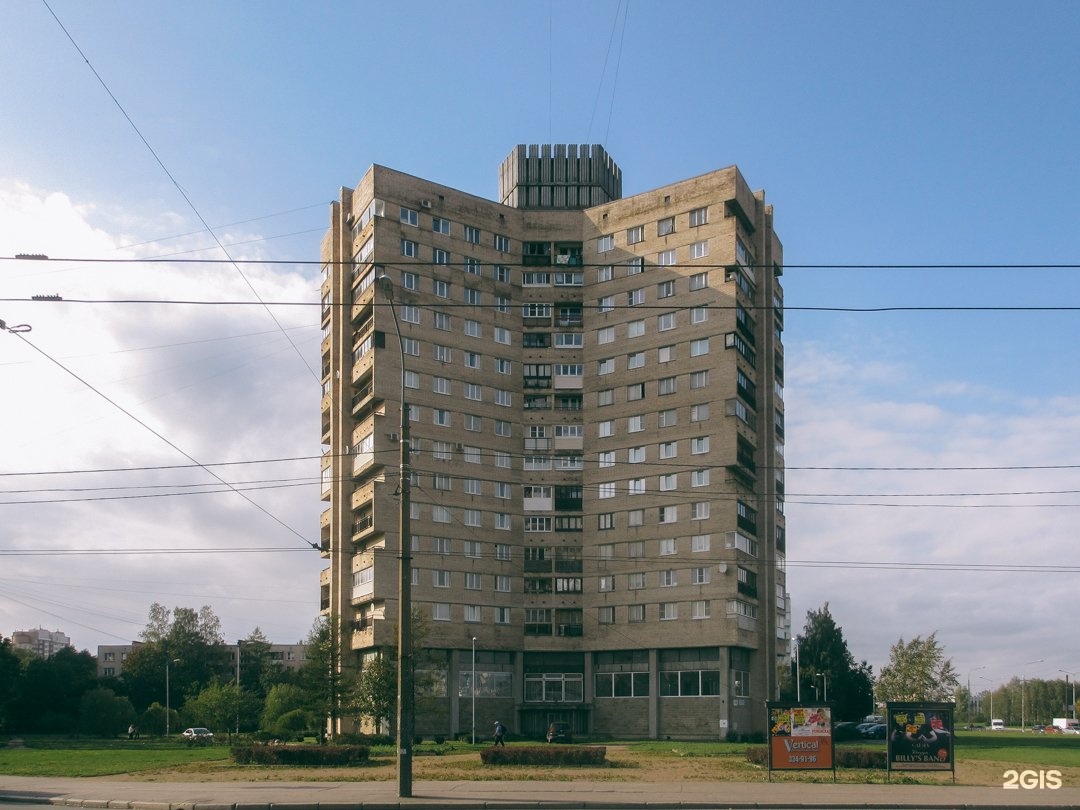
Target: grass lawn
49,756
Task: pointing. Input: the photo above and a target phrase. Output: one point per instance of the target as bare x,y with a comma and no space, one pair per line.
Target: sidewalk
512,795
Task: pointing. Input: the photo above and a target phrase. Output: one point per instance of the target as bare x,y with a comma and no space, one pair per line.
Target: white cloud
222,383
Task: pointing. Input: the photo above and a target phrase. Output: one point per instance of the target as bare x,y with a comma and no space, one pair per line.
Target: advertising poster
800,737
920,736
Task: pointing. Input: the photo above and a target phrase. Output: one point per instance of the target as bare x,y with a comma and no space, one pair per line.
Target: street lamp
1023,688
167,711
404,663
1067,674
473,682
970,702
981,678
825,681
239,644
798,685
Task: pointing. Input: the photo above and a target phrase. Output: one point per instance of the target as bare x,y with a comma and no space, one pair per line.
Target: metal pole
405,718
798,685
238,643
474,690
166,698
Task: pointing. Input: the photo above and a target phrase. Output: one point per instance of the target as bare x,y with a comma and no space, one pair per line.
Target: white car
198,736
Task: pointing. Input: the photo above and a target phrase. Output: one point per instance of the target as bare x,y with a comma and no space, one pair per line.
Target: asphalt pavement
114,794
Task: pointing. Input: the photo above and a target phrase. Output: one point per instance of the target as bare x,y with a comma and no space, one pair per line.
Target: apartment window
502,582
537,524
473,486
669,611
502,552
665,322
699,444
410,314
701,542
503,366
502,490
700,609
502,428
635,455
502,459
472,234
439,256
409,216
605,304
699,379
635,613
606,366
440,385
472,581
605,397
699,314
440,225
699,347
503,398
605,583
668,578
472,360
440,579
665,226
667,546
473,517
669,449
440,612
635,360
699,478
635,517
535,278
410,281
411,379
635,298
473,298
502,302
699,216
501,243
604,273
442,354
605,428
699,250
441,514
502,335
669,482
635,581
442,481
699,413
472,391
665,289
605,243
606,522
606,490
700,575
669,514
440,451
667,418
635,424
635,265
502,521
569,340
502,615
699,510
635,234
635,329
665,354
472,614
473,422
409,248
665,386
666,258
699,281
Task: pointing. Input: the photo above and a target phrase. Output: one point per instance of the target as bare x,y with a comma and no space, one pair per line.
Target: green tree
10,674
280,700
103,714
823,651
152,721
50,690
918,670
323,677
375,693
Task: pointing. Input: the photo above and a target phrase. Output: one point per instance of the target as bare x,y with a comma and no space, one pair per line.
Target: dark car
875,732
559,732
846,731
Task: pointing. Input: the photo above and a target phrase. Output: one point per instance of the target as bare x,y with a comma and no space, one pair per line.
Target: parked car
846,731
1039,729
997,724
1049,730
560,732
875,732
198,736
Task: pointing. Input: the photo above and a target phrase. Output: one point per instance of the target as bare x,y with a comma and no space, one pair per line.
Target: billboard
800,736
920,736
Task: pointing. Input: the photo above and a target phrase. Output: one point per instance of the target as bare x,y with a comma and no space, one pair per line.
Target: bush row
592,755
844,757
309,756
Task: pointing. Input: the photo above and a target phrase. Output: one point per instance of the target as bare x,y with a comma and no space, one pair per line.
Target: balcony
571,630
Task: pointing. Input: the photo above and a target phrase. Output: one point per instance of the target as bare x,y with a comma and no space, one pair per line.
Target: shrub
300,756
354,738
588,755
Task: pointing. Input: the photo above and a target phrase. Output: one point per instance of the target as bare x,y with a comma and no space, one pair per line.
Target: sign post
800,737
920,736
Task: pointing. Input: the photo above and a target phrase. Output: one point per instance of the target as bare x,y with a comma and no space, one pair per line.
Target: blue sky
884,134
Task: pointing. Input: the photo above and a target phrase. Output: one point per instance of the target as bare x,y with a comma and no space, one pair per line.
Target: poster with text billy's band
920,736
800,737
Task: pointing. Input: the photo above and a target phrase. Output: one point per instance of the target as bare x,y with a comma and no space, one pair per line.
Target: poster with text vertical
920,736
800,736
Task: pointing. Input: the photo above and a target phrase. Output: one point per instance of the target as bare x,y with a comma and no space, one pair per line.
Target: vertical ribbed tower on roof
559,176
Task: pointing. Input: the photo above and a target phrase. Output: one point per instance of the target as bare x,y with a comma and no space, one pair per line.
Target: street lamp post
798,685
1067,674
825,682
473,682
167,710
239,644
981,678
970,702
405,714
1023,689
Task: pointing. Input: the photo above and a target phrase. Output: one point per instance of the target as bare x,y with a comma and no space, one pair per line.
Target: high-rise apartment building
595,387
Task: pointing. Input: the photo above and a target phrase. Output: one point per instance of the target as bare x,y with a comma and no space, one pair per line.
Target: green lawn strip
101,761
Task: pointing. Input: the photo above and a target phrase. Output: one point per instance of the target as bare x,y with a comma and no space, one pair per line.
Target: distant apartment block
111,657
41,642
595,385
